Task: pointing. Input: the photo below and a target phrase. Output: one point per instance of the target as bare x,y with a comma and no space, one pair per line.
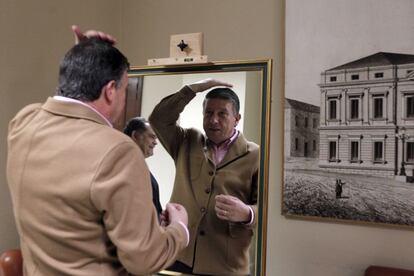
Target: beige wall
233,29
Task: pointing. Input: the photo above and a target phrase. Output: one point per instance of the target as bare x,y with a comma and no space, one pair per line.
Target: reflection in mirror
250,80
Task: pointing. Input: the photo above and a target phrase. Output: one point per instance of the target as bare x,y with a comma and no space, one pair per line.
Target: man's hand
232,209
203,85
174,212
80,36
164,220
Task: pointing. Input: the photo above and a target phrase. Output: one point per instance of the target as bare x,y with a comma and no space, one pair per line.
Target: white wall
253,103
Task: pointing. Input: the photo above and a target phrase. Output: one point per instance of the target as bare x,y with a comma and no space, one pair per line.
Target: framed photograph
349,111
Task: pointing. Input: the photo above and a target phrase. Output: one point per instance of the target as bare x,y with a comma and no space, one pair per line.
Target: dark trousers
183,268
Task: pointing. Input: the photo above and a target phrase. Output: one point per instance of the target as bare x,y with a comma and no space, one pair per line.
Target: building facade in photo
301,129
367,116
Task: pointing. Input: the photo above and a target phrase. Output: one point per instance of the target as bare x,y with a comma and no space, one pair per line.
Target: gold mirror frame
133,108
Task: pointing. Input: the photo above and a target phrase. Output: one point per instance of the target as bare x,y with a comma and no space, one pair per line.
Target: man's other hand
175,213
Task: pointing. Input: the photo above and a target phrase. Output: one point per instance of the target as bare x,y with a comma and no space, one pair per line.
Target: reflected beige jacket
216,247
81,195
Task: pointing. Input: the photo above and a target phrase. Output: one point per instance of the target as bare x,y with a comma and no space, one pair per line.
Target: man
141,132
80,189
339,188
216,179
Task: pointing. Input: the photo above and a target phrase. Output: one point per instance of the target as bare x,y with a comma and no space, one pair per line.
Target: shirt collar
66,99
226,142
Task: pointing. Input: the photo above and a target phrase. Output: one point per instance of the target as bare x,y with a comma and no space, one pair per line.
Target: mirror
251,81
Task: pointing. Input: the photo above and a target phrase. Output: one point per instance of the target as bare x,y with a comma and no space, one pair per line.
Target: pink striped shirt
220,150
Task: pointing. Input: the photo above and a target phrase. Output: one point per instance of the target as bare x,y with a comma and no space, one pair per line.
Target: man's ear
109,91
134,135
238,117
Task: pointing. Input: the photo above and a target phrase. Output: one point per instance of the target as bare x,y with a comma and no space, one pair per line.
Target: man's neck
227,140
92,105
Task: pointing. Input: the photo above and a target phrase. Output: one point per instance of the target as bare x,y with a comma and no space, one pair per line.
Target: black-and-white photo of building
349,112
367,116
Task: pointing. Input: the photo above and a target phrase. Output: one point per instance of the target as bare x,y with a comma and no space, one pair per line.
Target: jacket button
207,190
202,233
202,209
210,172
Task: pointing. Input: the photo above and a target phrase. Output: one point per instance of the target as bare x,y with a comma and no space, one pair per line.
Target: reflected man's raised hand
206,84
80,36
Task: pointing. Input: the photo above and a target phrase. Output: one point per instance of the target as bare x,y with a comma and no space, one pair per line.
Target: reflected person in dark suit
141,132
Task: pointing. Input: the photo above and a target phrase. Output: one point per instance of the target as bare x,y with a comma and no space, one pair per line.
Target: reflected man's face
219,119
146,140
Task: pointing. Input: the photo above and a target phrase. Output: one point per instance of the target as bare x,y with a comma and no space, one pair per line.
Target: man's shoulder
25,115
27,111
251,146
195,132
103,141
252,149
108,135
194,135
